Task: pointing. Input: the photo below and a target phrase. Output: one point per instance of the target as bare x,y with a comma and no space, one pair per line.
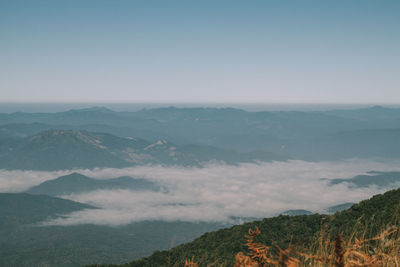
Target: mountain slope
383,143
26,209
69,149
76,183
57,149
368,132
221,246
25,243
376,114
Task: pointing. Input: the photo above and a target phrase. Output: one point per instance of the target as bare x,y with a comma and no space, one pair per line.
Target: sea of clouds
213,193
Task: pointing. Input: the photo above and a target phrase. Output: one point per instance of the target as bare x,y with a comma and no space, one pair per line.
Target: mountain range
70,149
101,138
322,135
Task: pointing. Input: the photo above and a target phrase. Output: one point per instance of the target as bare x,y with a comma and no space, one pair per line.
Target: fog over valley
110,186
213,193
199,133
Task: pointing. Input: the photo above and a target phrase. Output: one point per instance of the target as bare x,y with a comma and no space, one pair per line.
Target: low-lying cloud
216,192
16,181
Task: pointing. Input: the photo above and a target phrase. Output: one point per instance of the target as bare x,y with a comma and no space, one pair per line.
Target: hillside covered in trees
219,248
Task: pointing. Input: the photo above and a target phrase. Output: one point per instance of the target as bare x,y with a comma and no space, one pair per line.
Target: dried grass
380,250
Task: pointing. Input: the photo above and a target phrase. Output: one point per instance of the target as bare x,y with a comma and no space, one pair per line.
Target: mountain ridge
289,133
70,149
76,183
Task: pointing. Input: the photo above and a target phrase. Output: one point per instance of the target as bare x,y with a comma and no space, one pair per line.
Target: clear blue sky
200,51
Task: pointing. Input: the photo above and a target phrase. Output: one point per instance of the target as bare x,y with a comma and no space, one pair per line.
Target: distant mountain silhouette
323,135
20,209
77,183
69,149
380,179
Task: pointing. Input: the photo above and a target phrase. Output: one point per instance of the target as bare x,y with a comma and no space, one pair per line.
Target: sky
311,51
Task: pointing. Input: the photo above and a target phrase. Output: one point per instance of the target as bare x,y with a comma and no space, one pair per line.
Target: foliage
24,243
367,218
380,250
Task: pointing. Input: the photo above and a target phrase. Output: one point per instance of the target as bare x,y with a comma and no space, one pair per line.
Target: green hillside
26,243
221,246
21,209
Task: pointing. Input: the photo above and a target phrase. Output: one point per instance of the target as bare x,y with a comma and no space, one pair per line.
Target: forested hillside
220,247
24,241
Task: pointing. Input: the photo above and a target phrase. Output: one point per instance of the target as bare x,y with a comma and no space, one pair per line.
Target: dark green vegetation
221,246
25,210
78,183
23,242
380,179
202,134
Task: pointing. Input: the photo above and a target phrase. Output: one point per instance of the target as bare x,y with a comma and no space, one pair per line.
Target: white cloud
217,191
19,181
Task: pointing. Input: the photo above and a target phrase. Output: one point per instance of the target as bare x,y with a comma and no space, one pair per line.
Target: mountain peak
377,107
74,175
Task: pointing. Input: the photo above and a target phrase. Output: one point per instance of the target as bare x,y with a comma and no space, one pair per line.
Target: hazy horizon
9,107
